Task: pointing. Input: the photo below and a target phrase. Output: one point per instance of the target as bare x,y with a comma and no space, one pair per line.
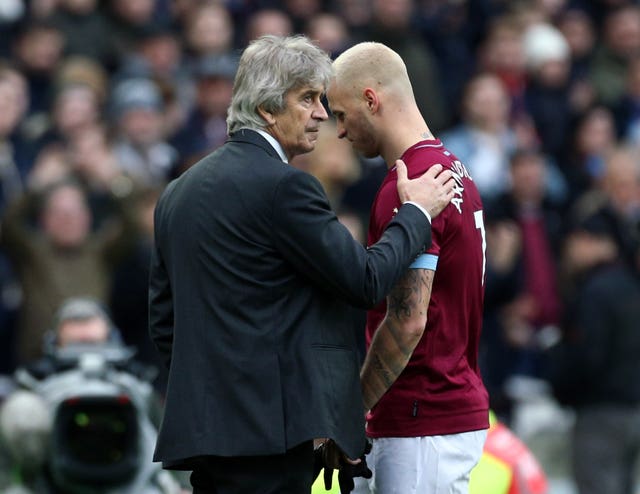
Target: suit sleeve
160,306
309,234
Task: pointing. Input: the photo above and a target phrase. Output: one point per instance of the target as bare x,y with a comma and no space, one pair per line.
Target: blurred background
103,102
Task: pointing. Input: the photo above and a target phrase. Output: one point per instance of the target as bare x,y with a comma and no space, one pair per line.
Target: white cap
544,43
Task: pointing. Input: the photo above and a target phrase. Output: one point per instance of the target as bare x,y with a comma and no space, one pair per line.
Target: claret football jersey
441,390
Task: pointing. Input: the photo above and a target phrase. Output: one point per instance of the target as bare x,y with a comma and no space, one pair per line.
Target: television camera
94,424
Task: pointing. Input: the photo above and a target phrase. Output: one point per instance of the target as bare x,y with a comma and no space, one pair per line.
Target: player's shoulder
426,154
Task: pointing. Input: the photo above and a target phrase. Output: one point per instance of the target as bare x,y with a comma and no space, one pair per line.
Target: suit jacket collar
252,137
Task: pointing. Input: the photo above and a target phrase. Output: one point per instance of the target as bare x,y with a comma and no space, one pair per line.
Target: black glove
348,471
334,458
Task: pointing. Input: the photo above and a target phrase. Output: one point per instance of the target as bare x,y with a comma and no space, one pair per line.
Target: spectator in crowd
484,139
391,25
453,30
580,33
595,368
501,53
593,135
92,161
84,71
548,91
356,13
504,249
523,294
86,29
620,43
38,50
15,154
15,164
627,111
265,22
329,32
618,193
157,55
140,145
75,107
621,188
11,14
301,12
127,20
209,30
205,128
62,257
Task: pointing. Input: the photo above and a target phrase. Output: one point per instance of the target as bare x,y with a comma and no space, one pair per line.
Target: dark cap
215,66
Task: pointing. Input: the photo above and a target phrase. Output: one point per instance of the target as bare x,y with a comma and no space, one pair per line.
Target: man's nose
319,111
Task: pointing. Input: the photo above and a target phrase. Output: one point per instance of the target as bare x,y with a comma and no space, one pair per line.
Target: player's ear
371,99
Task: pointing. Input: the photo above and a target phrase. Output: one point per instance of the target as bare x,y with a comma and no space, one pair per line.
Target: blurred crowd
102,102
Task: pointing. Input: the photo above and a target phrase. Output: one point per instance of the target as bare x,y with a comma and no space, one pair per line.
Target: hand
333,458
353,469
433,190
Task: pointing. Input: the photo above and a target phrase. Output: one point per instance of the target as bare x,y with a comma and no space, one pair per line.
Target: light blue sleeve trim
425,261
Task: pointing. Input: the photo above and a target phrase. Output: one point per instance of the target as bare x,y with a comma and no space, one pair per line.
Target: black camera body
101,437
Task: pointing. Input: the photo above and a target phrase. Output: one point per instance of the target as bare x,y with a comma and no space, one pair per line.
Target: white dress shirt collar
274,143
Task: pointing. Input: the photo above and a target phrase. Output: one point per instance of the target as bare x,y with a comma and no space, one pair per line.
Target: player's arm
399,333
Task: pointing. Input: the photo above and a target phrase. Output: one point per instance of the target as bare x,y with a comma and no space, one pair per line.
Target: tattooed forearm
382,372
400,302
396,338
407,296
399,338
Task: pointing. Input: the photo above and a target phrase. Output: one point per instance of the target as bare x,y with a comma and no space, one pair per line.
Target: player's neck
402,137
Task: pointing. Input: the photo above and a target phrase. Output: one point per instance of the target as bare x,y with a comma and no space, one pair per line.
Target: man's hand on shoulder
433,190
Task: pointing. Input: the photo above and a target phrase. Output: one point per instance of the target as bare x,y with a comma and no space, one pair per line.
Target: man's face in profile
296,127
352,121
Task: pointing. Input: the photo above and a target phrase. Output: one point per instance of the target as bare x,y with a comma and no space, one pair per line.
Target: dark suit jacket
251,280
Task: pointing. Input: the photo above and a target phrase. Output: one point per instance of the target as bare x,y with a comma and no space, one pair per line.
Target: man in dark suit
252,279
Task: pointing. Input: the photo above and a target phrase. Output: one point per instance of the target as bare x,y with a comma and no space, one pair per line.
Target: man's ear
371,99
266,115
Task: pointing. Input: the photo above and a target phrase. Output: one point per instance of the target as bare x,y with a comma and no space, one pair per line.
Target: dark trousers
289,473
606,448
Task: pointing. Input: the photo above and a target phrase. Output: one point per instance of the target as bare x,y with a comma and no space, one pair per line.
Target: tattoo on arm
396,338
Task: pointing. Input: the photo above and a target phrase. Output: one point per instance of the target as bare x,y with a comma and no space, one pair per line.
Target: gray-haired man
252,280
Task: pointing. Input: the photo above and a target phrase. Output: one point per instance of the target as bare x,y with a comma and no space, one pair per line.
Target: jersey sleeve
385,208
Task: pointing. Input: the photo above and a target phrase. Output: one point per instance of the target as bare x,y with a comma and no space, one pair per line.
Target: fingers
434,170
401,170
450,194
350,461
432,174
444,178
449,183
346,483
328,478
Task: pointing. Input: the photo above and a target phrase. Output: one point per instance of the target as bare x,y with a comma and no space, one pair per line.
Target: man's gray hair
270,67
